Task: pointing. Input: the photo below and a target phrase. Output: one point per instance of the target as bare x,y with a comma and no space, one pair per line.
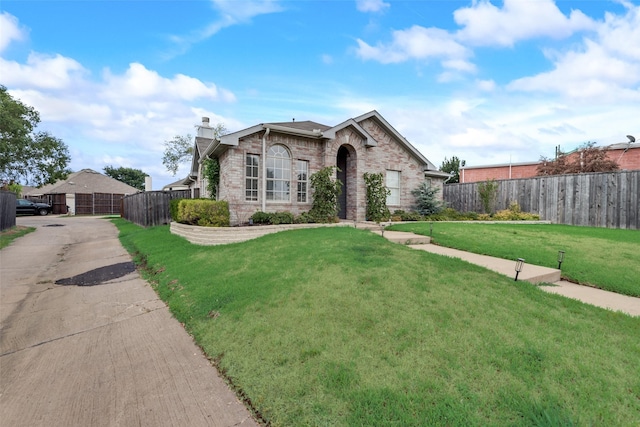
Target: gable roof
86,181
377,117
316,130
307,125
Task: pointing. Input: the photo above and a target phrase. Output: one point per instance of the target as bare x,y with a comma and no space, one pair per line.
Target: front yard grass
338,326
600,257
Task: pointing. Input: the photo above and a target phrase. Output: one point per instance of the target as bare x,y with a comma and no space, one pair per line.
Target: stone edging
209,236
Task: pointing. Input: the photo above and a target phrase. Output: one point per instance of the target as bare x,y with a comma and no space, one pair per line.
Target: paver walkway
530,273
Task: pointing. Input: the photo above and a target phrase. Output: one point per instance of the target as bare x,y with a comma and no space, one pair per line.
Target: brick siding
387,155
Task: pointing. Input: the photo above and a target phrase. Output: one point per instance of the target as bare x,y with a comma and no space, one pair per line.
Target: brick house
626,155
267,167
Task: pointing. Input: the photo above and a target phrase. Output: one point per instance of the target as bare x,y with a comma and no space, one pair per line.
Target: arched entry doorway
342,162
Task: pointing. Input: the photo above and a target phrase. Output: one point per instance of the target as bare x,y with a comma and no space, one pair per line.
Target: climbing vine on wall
211,171
326,190
377,194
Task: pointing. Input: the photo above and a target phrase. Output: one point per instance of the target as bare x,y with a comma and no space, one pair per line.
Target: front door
341,162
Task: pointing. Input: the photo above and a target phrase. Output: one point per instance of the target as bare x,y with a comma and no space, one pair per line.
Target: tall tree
588,158
31,157
130,176
452,166
179,150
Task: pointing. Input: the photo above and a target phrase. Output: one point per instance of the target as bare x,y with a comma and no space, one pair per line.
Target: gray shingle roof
85,181
304,125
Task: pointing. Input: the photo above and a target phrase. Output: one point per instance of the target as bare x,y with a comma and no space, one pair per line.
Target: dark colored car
27,207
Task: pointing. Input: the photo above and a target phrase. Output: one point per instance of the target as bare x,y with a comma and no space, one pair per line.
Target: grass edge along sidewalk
599,257
338,326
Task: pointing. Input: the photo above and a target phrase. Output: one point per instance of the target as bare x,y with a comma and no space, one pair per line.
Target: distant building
86,192
627,155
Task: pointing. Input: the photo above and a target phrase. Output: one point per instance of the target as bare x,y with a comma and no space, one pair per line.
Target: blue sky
489,82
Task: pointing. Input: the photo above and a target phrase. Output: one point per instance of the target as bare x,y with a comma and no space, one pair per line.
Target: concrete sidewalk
530,273
84,341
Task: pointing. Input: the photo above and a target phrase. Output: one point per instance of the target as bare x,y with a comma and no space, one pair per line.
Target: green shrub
173,209
303,218
488,192
260,217
274,218
426,201
281,218
406,216
204,212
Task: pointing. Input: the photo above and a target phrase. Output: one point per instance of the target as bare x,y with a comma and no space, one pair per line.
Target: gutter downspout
264,169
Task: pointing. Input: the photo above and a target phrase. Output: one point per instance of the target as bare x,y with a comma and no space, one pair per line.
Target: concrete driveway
99,348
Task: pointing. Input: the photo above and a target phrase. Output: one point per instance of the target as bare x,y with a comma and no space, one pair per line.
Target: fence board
607,199
7,210
151,208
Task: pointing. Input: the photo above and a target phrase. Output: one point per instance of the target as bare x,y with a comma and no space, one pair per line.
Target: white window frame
252,178
392,182
278,174
302,169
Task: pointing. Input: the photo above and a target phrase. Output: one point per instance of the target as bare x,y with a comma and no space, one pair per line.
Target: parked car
27,207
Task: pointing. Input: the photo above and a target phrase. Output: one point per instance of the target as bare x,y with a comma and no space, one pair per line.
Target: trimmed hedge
203,212
274,218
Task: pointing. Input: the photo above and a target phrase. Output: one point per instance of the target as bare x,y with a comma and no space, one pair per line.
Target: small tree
588,158
452,166
179,150
326,190
376,197
488,192
130,176
427,202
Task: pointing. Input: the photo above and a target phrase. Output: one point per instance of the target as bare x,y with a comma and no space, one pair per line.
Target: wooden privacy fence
7,210
606,199
151,208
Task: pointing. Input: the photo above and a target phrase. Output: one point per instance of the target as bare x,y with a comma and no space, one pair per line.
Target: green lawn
9,235
605,258
339,327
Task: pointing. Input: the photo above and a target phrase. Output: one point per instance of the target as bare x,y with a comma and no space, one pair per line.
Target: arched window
278,174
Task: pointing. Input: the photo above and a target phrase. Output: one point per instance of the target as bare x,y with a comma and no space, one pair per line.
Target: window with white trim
278,174
302,168
393,185
251,177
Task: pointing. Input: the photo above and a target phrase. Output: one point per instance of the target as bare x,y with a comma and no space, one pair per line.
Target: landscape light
431,230
560,258
519,265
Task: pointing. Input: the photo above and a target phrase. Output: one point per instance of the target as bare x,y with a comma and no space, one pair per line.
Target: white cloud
11,30
371,5
130,113
326,59
486,85
230,12
42,71
418,43
140,83
605,67
487,25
